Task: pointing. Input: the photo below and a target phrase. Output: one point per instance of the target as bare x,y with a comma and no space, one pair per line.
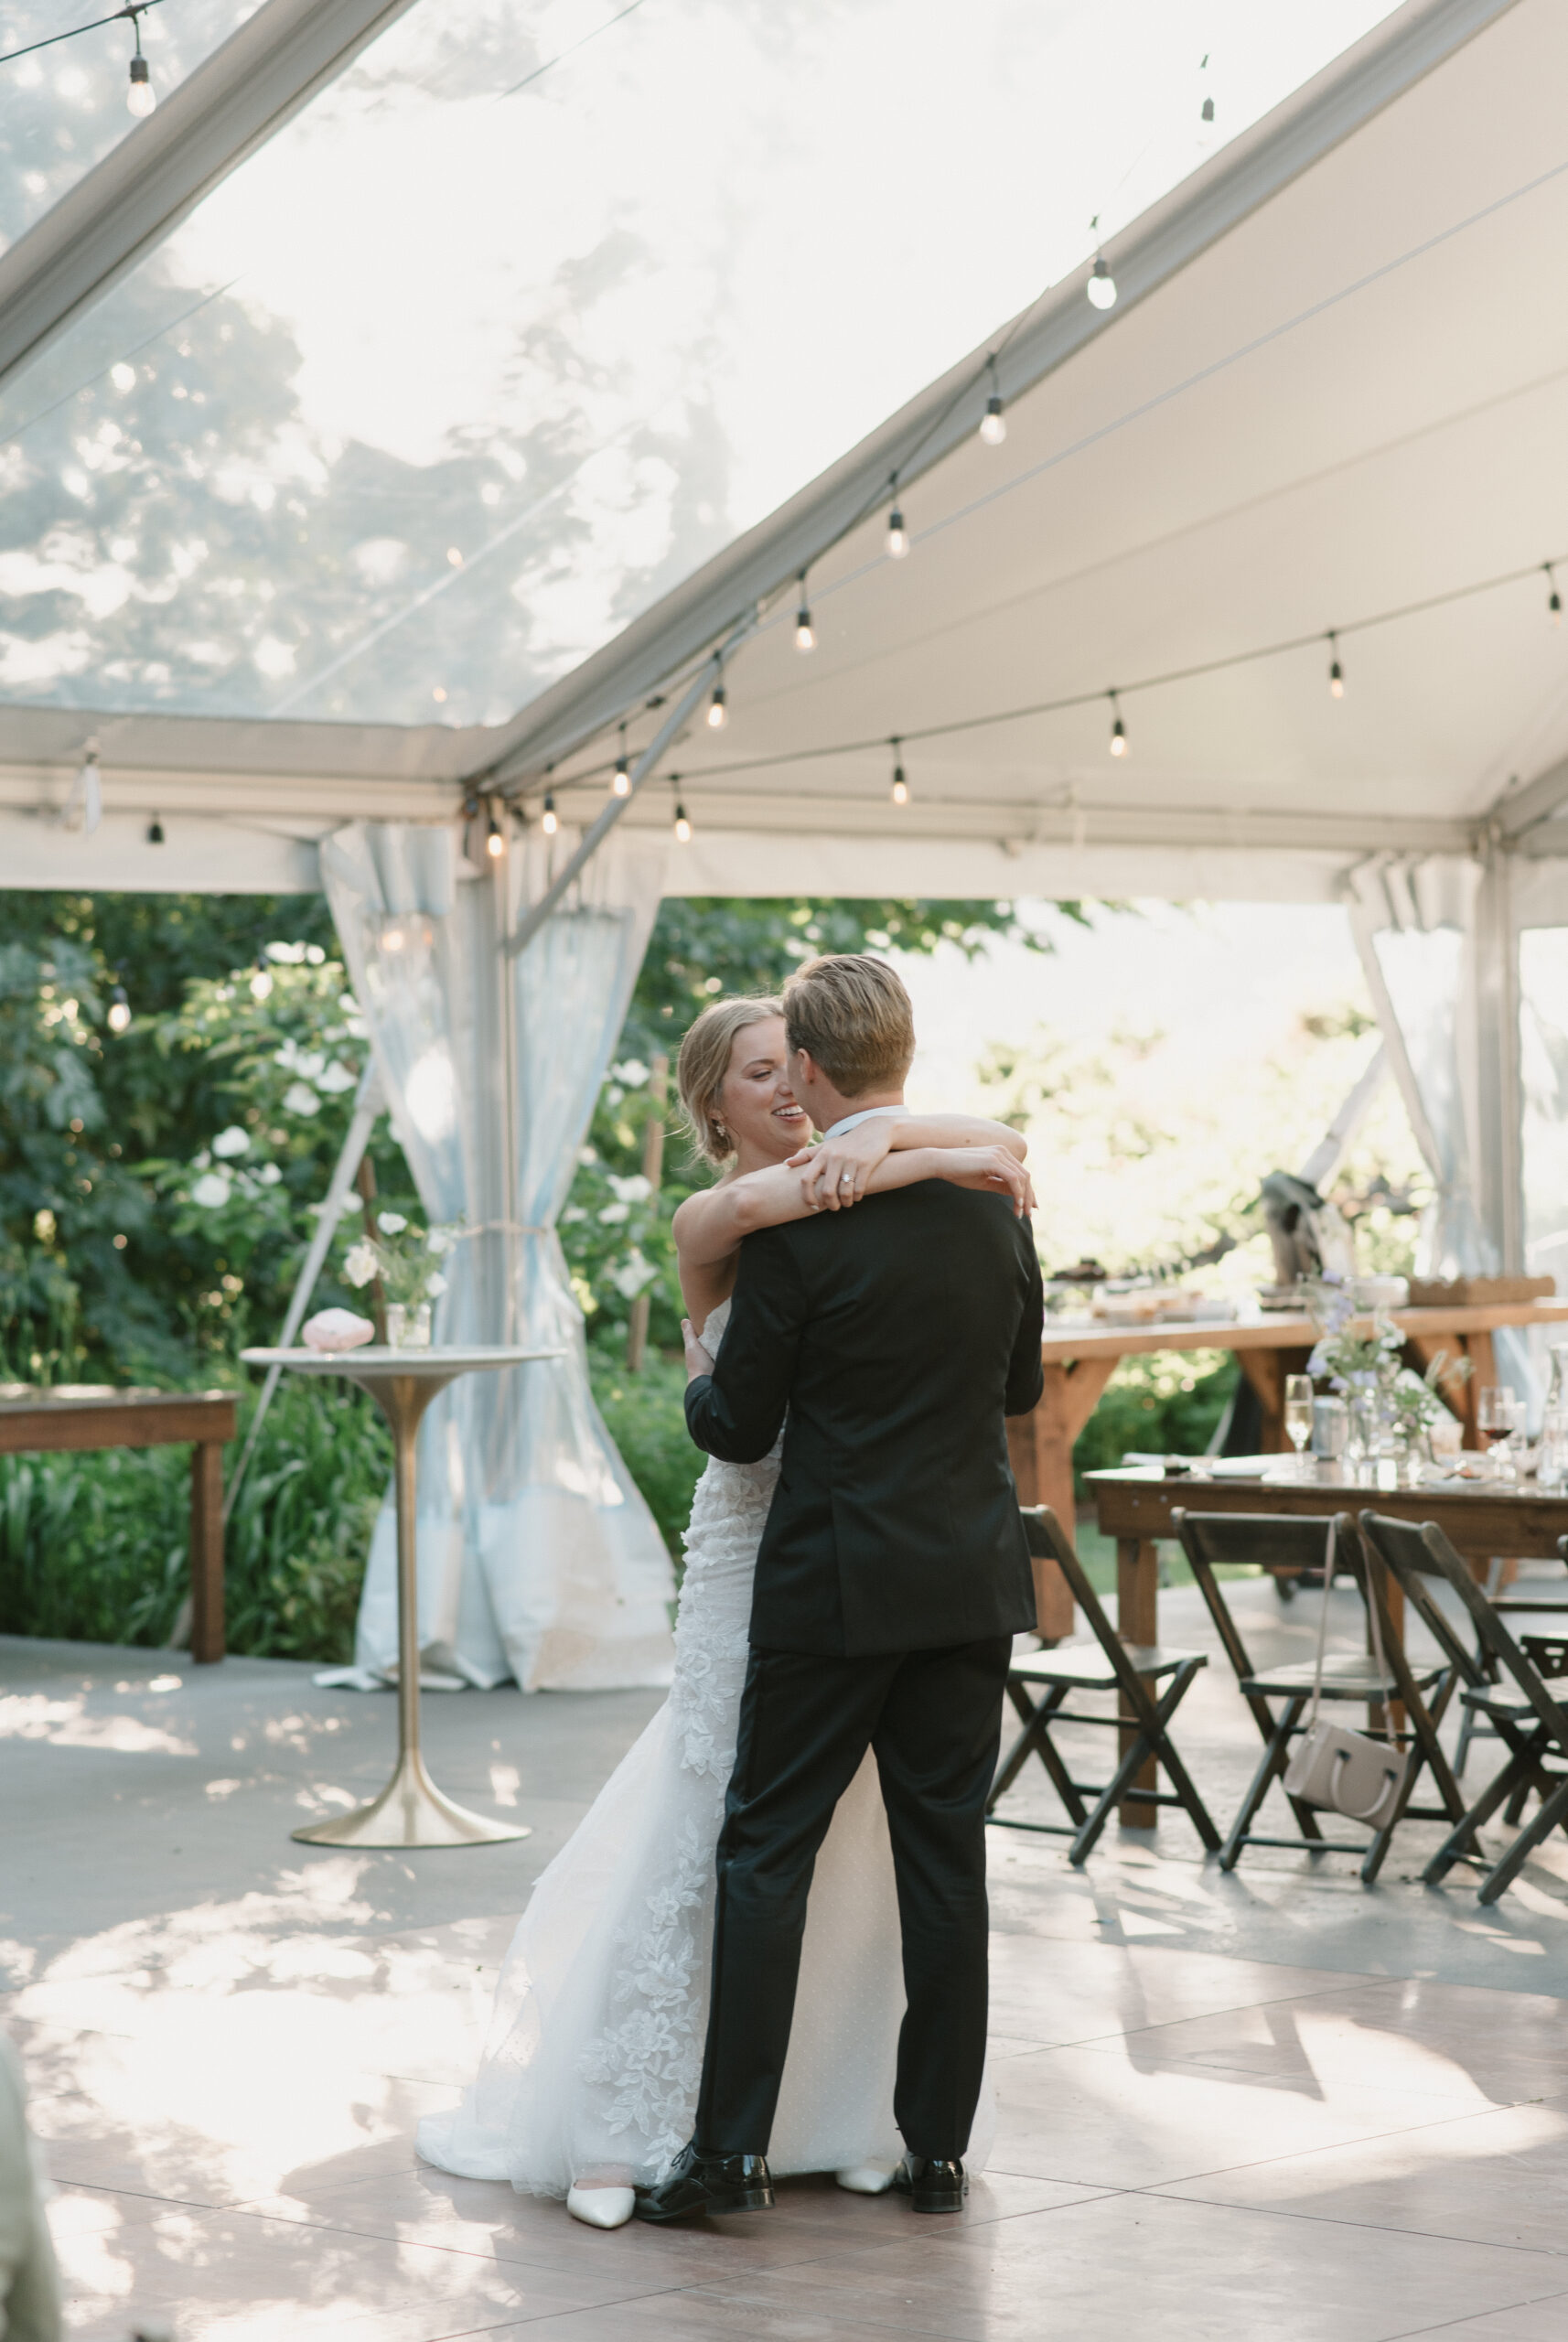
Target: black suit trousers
934,1720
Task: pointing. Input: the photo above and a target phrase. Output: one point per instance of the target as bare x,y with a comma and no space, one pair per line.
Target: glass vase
408,1326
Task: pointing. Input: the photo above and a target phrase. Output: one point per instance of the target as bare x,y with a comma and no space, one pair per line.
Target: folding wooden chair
1472,1724
1532,1725
1300,1543
1132,1670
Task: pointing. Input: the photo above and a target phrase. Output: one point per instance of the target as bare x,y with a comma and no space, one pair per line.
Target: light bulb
805,635
1554,600
140,98
682,826
897,537
901,791
119,1010
1118,730
495,844
1101,287
993,422
1208,112
1335,672
621,784
155,832
718,710
549,823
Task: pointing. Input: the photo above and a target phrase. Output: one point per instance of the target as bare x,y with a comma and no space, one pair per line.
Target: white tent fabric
538,1557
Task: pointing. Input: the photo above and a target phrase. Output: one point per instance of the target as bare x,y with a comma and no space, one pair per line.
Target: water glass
1498,1414
1552,1471
1330,1429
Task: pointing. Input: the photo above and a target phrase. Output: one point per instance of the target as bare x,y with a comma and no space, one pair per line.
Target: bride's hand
698,1360
993,1169
833,1174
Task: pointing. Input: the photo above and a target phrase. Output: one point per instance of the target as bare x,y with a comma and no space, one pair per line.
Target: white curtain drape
1414,925
538,1558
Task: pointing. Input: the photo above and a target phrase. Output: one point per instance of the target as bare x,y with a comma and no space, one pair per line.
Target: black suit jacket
897,1335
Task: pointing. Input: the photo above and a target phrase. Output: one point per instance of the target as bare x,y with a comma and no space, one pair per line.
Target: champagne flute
1298,1416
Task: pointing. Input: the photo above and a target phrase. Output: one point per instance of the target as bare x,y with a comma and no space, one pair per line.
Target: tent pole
368,1105
593,837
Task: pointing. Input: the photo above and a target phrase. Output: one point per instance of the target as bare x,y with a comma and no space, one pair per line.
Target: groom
892,1576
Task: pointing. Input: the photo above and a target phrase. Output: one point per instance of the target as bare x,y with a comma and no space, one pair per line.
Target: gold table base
410,1810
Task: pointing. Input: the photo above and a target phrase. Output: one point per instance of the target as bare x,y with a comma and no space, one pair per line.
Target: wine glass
1298,1416
1496,1415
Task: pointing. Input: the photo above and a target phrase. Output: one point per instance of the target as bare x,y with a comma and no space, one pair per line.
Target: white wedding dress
596,2045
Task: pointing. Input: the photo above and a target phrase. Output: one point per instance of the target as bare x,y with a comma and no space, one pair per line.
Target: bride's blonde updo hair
703,1064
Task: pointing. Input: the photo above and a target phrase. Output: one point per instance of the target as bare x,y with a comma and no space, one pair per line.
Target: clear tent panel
64,108
533,310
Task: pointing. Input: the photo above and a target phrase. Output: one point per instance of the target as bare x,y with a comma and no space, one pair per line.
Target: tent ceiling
1347,396
1351,403
529,312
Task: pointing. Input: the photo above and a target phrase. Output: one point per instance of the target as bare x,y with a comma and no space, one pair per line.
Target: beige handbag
1345,1772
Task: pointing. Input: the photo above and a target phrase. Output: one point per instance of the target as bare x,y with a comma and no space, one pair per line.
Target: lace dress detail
596,2044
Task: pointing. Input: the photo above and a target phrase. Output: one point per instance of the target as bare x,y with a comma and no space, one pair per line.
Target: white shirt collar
865,1115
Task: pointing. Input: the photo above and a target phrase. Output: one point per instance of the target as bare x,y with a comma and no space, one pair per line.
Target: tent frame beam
233,102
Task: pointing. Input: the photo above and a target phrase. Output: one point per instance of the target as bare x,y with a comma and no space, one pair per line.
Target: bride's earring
721,1138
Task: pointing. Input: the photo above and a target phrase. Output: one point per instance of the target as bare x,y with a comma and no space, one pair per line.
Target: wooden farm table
1134,1506
1081,1358
82,1415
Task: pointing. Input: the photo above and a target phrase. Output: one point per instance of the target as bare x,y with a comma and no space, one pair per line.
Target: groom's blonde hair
854,1019
703,1064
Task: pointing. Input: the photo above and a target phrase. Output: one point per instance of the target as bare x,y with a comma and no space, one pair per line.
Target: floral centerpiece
407,1261
1390,1404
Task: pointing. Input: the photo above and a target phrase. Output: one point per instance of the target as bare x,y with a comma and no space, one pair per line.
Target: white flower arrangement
404,1258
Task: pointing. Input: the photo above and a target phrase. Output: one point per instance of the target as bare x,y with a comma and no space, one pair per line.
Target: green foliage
1166,1404
647,1417
202,1138
95,1547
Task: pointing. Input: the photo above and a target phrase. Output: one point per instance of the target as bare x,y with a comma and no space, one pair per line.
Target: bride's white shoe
866,2178
601,2207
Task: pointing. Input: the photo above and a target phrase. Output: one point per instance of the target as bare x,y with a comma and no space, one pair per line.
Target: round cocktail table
410,1810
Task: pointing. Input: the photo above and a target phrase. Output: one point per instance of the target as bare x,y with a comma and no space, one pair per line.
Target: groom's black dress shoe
932,2184
696,2183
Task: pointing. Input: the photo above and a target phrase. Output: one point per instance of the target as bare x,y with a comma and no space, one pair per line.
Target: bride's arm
709,1226
836,1173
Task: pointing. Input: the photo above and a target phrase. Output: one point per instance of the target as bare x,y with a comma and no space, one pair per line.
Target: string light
495,844
718,708
141,97
1118,729
1102,285
682,826
898,535
1553,600
901,790
621,784
1335,672
548,823
993,422
805,634
119,1010
155,832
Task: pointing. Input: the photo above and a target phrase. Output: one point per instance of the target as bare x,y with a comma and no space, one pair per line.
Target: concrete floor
1272,2104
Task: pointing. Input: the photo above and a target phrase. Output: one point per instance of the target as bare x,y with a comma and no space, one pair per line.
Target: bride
588,2085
